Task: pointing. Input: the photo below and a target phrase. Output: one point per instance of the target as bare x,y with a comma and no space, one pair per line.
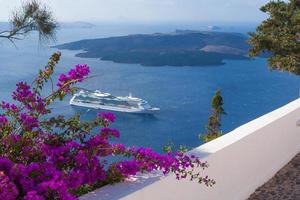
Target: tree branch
31,17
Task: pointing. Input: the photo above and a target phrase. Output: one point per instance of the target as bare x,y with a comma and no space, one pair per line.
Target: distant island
180,48
77,25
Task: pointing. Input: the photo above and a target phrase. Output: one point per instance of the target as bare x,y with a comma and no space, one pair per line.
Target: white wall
240,161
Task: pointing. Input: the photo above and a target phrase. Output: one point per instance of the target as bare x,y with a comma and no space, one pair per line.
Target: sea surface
248,87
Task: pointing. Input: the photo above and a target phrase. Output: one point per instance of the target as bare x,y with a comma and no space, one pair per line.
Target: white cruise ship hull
73,102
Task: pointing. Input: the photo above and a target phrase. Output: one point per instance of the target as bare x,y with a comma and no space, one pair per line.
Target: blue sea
248,87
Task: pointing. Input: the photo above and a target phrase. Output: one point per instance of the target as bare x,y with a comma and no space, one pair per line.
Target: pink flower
110,132
3,122
8,189
33,195
77,75
110,117
28,122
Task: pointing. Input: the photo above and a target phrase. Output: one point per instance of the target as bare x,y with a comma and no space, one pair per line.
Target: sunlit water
183,93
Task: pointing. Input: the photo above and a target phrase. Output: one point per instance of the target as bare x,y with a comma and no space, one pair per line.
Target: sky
148,10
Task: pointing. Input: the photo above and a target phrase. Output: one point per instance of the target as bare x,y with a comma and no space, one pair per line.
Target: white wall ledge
240,161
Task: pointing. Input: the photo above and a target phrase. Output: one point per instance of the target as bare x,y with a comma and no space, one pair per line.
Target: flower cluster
64,166
23,93
28,122
32,101
9,107
8,189
108,132
4,125
3,122
145,159
58,158
109,117
37,181
76,75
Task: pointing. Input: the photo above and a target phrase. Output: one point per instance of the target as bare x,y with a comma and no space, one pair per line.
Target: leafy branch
32,16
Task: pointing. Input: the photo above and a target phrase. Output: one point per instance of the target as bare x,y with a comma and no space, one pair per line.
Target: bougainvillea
45,158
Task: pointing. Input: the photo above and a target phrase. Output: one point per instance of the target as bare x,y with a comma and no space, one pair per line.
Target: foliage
171,147
209,137
44,157
31,17
214,121
279,35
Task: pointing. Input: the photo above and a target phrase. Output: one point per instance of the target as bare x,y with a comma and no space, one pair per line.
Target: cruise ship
99,100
